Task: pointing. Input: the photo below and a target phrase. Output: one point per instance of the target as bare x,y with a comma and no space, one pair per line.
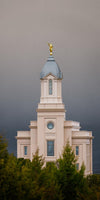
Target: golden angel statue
50,48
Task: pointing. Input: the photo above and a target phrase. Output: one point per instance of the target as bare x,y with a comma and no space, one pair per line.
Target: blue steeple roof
51,67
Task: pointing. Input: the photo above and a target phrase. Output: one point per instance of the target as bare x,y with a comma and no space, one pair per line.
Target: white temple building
51,131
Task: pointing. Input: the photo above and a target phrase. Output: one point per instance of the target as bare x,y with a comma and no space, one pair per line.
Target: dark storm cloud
25,29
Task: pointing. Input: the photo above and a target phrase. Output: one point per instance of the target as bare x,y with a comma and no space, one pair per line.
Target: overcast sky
73,26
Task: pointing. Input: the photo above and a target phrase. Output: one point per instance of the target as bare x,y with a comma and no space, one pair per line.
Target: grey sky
73,26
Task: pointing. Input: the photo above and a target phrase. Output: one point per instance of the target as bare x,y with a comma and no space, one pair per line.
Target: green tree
71,181
94,186
51,188
43,180
36,177
3,162
3,152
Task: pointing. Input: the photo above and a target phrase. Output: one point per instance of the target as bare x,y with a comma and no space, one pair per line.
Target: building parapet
23,134
33,124
72,124
82,134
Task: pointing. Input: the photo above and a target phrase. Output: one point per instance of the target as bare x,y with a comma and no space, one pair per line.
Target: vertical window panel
50,87
50,148
77,166
77,150
25,150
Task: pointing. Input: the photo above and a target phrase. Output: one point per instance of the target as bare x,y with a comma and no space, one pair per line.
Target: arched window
50,86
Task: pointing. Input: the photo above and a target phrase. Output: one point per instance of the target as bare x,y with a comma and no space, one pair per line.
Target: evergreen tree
71,181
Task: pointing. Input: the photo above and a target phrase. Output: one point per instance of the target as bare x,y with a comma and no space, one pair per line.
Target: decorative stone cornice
82,137
73,127
22,137
32,127
50,110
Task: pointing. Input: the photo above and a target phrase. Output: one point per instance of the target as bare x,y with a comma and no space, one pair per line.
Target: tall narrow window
77,166
25,150
50,148
50,86
77,150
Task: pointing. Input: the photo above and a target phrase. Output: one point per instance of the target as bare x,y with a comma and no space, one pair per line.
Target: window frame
77,151
53,151
50,122
77,166
50,87
25,150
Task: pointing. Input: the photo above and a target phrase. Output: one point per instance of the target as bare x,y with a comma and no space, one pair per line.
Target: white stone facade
51,131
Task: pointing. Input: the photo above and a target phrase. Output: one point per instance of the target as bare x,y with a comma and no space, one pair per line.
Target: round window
50,125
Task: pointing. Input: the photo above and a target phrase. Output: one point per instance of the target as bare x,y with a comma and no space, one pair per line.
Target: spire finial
50,48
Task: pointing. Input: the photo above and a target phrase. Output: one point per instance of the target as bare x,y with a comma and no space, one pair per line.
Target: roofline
51,75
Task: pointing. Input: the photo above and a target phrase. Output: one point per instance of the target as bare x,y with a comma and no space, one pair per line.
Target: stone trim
18,137
50,110
66,126
33,127
82,137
